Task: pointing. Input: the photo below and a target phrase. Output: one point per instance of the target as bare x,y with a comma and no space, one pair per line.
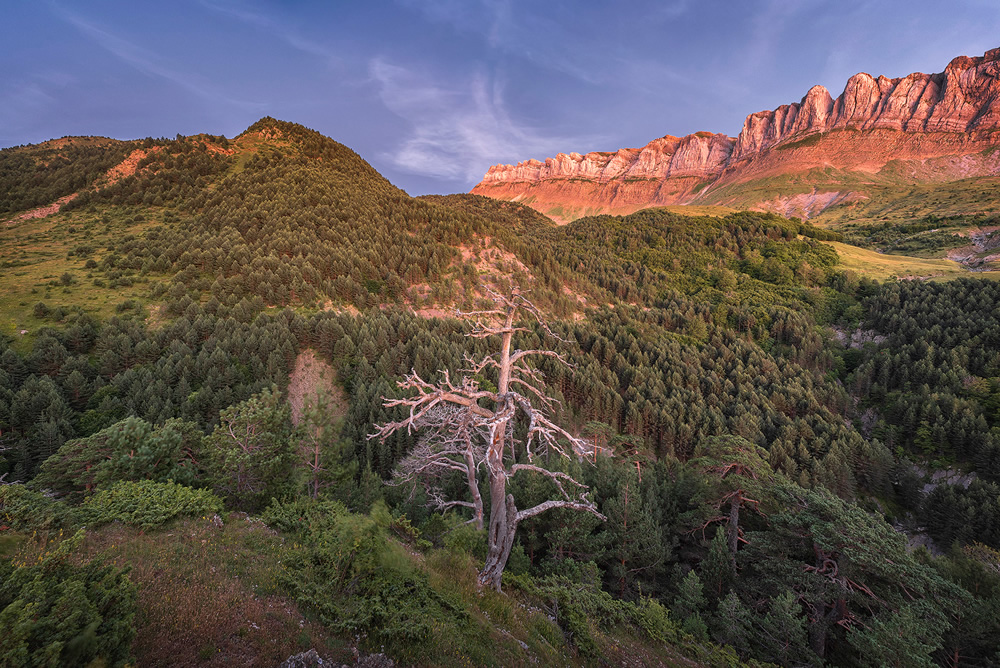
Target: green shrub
466,538
249,453
654,619
583,608
148,504
302,514
131,449
356,580
22,509
56,613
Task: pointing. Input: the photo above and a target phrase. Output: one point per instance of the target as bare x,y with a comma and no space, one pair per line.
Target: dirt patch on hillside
156,317
212,148
492,261
313,380
808,205
341,308
128,166
42,211
434,313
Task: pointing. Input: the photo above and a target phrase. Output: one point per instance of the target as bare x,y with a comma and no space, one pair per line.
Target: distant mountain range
874,140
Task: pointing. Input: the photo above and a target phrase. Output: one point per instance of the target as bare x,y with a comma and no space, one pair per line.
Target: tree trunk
733,528
503,513
477,499
503,524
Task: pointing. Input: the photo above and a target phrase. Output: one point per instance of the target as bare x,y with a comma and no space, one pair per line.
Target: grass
209,595
35,254
562,213
698,210
10,541
882,266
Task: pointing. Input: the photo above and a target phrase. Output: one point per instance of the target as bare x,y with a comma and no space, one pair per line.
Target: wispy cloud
664,11
276,28
573,39
149,63
516,30
490,18
457,133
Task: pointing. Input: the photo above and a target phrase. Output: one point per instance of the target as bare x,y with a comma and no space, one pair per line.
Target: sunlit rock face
874,121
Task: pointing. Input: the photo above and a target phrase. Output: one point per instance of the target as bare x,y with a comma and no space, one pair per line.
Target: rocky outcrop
918,117
964,98
702,155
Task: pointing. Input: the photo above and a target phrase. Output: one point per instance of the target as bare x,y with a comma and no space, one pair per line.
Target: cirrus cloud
457,132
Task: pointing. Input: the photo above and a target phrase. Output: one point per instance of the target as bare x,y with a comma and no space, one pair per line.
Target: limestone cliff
963,98
949,118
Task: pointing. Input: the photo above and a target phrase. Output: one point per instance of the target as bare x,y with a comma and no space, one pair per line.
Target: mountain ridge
872,123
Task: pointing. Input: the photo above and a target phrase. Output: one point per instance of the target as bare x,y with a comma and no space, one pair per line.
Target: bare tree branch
584,506
467,429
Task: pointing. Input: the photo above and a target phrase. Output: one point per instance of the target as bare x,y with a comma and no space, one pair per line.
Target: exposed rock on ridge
917,117
963,98
703,155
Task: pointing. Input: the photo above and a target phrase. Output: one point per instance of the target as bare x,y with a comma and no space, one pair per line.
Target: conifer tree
249,452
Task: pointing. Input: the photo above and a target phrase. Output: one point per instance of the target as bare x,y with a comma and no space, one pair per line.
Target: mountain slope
196,271
915,129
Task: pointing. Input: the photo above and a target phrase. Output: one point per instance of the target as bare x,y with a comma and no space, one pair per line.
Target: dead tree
473,413
454,441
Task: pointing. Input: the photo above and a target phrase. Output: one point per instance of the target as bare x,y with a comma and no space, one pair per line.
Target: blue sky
432,92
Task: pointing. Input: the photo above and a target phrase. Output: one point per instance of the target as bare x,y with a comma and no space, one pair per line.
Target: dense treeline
954,513
650,374
928,236
651,244
934,381
929,385
642,374
81,379
298,222
509,217
32,176
315,223
170,173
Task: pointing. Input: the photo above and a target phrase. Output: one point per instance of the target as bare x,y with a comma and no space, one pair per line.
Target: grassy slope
881,266
699,210
564,214
213,595
35,253
33,257
210,595
904,203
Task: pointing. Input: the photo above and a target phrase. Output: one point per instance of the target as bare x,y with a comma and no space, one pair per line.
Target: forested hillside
762,425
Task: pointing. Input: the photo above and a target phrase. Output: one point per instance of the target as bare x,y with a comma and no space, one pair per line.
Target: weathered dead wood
468,429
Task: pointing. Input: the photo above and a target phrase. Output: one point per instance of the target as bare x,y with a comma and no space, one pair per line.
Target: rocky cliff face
702,155
917,117
964,98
